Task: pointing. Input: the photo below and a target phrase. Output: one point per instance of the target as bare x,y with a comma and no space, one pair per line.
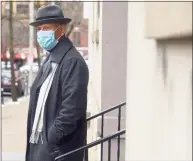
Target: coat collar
57,53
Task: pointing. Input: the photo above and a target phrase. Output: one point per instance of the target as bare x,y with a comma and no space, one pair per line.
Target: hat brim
50,20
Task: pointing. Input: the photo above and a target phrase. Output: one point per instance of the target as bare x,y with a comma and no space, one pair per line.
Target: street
14,130
6,98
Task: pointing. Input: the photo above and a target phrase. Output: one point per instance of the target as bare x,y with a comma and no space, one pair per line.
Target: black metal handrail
102,128
106,111
97,142
101,114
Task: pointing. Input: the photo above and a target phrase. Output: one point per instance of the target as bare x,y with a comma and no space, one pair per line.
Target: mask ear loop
55,31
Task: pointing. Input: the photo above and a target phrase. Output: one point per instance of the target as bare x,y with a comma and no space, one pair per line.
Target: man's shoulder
75,64
73,54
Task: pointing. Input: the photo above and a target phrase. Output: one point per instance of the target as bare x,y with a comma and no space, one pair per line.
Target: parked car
26,67
7,65
6,82
83,51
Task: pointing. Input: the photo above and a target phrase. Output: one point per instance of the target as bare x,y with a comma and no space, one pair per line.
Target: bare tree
36,6
74,10
37,49
20,31
14,33
11,50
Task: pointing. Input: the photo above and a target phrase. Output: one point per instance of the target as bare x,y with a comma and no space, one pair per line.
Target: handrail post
119,127
102,134
86,150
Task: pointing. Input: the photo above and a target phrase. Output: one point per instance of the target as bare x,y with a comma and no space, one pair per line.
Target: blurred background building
21,36
79,35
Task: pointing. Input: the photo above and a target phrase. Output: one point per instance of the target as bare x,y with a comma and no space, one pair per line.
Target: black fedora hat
50,14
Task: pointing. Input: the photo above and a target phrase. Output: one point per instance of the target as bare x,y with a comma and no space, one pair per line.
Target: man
57,110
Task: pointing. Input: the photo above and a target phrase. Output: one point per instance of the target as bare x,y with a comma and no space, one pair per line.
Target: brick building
21,26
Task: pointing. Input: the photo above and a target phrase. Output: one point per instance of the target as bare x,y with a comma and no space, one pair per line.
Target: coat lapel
46,71
57,54
39,75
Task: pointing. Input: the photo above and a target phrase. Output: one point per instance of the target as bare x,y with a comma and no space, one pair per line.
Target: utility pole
36,7
11,51
31,43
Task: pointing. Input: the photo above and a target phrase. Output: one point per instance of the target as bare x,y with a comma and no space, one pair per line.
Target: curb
20,100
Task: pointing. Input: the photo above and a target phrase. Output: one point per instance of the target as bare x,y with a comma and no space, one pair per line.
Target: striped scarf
39,114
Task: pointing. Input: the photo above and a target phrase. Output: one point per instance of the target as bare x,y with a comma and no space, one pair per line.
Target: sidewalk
14,118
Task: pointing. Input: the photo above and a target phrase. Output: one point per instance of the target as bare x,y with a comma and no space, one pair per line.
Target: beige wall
95,56
168,19
140,70
177,110
159,114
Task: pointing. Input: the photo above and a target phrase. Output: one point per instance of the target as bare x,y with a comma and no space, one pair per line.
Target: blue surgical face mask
46,39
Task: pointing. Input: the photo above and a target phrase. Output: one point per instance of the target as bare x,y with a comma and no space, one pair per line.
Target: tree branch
69,29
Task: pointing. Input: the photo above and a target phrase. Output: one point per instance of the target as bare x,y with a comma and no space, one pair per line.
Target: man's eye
46,28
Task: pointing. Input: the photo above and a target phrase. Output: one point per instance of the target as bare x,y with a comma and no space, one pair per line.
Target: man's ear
63,27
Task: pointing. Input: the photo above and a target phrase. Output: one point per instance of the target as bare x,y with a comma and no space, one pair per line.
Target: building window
77,39
22,8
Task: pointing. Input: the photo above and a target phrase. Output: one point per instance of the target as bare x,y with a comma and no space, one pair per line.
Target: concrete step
13,156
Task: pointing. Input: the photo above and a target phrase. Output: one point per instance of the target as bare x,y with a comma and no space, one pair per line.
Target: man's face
58,28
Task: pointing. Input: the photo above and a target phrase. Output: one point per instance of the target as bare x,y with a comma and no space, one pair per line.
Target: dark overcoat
64,126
